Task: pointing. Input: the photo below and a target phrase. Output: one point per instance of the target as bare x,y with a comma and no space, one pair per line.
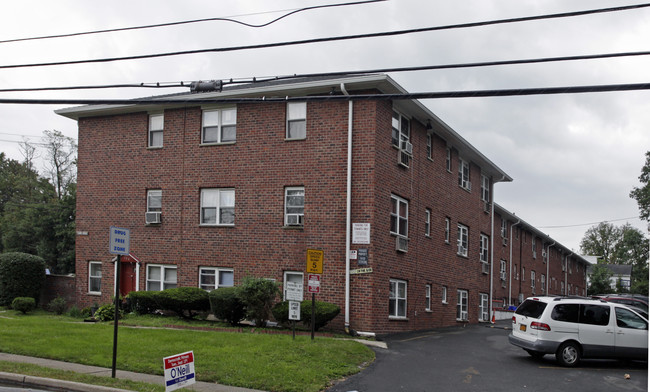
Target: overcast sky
574,158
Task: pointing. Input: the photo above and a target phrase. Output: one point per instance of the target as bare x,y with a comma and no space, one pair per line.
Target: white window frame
154,200
427,297
164,282
395,299
464,175
523,274
222,198
217,273
429,146
463,240
427,222
504,228
484,249
543,283
534,247
401,129
448,161
483,307
96,277
462,303
155,129
291,276
503,270
221,119
444,294
447,229
296,114
532,280
295,211
399,217
485,188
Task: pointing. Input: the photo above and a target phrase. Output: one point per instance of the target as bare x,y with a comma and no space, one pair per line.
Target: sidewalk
97,371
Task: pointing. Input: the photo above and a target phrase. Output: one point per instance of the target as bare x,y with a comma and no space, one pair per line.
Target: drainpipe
512,228
491,255
348,213
548,263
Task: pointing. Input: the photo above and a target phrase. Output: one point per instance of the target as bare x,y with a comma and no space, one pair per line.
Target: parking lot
479,358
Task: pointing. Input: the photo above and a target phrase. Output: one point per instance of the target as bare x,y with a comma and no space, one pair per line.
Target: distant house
620,272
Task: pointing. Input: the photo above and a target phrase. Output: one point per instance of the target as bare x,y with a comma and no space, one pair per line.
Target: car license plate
522,327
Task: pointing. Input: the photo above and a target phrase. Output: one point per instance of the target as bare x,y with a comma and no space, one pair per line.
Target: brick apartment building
217,186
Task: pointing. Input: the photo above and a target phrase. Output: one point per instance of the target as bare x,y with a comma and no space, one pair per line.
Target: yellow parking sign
314,261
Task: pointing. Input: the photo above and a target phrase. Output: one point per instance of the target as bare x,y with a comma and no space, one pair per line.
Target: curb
41,382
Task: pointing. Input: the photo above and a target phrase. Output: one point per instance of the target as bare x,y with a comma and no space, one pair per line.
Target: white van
575,328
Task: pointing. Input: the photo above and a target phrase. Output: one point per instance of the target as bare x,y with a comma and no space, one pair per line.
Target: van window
530,308
627,319
594,314
566,312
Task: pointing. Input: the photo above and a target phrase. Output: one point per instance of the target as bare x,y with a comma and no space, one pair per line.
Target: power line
222,19
423,95
331,39
589,224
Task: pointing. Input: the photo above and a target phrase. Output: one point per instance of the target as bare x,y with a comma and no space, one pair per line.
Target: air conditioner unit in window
503,275
505,241
486,207
485,267
469,185
407,147
403,159
401,244
152,218
295,219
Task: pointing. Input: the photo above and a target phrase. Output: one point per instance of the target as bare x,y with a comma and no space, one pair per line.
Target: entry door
631,335
127,278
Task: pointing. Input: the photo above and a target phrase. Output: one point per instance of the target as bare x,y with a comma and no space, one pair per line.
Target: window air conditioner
485,268
503,275
403,159
295,219
407,147
486,207
505,241
152,218
402,244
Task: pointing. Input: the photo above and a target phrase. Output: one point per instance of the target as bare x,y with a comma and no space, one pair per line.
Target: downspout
491,296
348,213
548,263
512,228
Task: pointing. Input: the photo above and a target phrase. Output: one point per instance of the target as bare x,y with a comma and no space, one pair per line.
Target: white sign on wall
361,233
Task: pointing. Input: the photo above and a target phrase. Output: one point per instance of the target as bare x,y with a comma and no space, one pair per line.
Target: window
523,274
447,229
532,280
154,200
156,125
219,126
294,206
399,216
444,294
293,277
483,308
485,248
218,207
427,297
161,277
211,278
429,146
296,120
397,299
463,175
503,270
427,222
401,131
448,161
463,238
561,288
566,312
485,188
594,314
504,228
534,247
627,319
543,283
95,277
461,305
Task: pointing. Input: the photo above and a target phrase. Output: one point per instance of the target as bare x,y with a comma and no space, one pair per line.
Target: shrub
143,302
57,305
325,312
258,295
74,312
226,305
107,313
21,275
281,312
23,304
184,300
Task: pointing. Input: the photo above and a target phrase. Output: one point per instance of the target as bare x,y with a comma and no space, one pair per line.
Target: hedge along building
216,186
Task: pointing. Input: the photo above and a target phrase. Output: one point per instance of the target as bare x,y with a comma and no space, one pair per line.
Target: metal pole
117,313
313,314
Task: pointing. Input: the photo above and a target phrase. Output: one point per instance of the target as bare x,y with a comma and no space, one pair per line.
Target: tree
601,241
61,163
600,282
642,194
633,249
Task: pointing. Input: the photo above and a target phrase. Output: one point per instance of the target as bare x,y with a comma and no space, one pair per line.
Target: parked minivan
575,328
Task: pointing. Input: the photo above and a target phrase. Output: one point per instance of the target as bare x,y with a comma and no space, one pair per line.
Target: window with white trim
212,278
399,216
294,206
504,228
483,308
484,248
429,146
444,294
503,271
161,277
534,247
427,222
461,305
427,297
95,277
154,200
156,125
217,207
463,240
293,277
397,299
401,129
219,126
532,280
463,175
543,283
296,120
523,274
448,160
562,288
485,188
447,229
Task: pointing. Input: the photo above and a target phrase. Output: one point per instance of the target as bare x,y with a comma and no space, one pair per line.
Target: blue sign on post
119,241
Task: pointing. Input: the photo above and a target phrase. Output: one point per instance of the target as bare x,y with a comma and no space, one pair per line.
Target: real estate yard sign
179,371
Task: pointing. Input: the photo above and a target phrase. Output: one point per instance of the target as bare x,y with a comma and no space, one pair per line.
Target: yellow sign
314,261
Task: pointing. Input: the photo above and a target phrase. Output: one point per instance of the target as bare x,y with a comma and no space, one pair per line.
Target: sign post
294,295
119,243
315,269
179,371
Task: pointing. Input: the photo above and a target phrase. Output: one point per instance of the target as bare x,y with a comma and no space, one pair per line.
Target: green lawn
245,359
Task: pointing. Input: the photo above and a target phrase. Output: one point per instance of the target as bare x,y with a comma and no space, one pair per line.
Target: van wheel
568,354
535,354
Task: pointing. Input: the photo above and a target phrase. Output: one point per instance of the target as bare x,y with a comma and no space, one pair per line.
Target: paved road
479,358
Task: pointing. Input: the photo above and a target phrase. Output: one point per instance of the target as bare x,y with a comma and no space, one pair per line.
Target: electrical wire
221,19
589,224
331,39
